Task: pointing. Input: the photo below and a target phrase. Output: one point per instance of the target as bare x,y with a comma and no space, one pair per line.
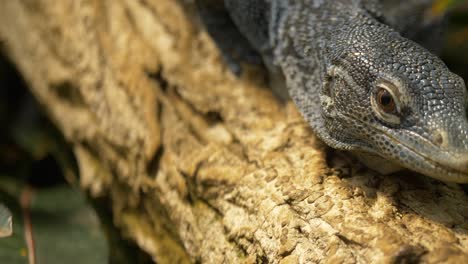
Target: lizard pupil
385,100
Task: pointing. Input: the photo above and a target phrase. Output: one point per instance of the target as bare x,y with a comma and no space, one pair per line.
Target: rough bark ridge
202,167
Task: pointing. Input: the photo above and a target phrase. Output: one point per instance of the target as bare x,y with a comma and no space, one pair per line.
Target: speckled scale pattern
333,53
255,20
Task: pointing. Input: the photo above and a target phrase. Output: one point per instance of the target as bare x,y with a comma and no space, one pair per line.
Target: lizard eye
385,104
385,101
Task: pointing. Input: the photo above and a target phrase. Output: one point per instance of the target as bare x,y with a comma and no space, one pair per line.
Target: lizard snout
458,163
453,149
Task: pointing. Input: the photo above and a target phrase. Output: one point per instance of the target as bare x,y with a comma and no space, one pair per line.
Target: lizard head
388,96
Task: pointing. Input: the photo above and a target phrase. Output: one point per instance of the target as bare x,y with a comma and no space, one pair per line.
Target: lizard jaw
431,161
441,172
443,167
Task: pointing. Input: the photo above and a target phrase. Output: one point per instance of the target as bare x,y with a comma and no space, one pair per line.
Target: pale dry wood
201,166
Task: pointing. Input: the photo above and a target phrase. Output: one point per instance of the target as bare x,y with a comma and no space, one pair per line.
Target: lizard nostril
440,138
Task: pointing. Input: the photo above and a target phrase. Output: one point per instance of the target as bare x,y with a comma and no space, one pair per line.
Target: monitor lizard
356,77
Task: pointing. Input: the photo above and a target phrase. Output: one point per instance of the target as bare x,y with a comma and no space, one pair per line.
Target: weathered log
202,166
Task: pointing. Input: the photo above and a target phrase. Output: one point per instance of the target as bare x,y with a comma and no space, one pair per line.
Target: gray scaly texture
361,85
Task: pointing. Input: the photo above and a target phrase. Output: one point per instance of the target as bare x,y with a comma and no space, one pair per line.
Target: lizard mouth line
454,174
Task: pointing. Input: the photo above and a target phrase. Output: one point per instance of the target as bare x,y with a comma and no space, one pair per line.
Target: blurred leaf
13,249
66,228
440,7
60,226
6,226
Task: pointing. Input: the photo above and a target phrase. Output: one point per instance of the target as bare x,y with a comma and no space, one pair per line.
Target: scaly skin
338,57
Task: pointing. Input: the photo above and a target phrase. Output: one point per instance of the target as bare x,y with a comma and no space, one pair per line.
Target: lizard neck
306,38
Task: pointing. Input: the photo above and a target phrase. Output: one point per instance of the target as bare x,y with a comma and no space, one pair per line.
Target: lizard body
360,84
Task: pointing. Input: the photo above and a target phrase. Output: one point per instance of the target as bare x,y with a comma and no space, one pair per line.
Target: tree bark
202,166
